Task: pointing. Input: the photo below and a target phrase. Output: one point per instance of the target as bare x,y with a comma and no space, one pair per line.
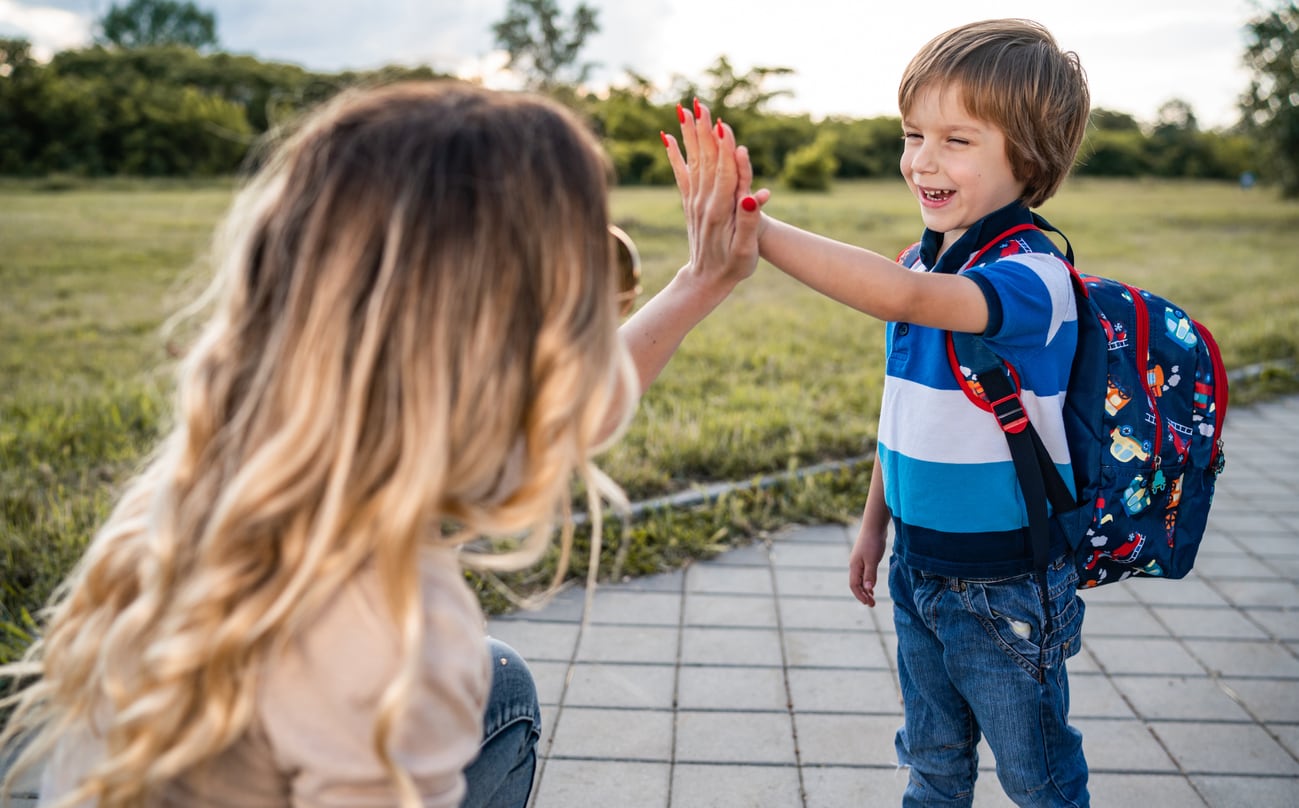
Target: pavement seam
784,675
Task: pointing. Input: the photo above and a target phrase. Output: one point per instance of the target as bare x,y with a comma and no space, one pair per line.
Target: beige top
310,742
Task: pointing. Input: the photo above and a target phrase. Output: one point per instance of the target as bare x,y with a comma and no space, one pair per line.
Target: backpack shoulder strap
998,391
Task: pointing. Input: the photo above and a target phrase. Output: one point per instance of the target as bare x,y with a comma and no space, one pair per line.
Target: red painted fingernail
749,203
721,133
666,143
681,114
698,113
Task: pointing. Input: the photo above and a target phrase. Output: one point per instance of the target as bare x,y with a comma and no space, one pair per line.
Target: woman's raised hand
723,215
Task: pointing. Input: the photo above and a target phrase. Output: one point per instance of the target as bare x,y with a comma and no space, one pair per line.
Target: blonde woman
415,343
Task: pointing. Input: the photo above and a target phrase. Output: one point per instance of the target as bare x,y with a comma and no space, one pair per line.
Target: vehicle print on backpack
1153,569
1116,399
1136,498
1202,404
1125,447
1180,328
1122,554
1175,493
1180,436
1116,334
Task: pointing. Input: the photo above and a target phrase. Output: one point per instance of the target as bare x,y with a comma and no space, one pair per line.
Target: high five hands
723,214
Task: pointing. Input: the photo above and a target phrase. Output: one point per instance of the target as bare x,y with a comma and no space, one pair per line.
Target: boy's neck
935,247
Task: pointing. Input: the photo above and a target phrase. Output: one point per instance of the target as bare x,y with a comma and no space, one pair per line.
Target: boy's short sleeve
1030,296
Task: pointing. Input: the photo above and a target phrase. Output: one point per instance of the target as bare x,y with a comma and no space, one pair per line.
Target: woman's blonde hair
414,342
1012,74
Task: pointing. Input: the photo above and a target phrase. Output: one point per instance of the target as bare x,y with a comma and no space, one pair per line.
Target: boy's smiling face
954,164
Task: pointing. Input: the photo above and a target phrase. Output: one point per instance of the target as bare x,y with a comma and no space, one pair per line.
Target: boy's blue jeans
501,775
972,659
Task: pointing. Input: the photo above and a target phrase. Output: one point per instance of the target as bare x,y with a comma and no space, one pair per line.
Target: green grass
778,377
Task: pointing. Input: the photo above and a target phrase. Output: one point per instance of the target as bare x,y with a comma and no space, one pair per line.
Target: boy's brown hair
1012,74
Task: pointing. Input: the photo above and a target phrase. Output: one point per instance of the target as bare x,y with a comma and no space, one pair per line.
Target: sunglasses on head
628,263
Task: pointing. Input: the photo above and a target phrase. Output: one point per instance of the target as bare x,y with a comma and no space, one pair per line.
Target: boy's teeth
937,195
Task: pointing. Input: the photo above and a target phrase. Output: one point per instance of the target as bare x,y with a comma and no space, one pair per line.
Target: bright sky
848,54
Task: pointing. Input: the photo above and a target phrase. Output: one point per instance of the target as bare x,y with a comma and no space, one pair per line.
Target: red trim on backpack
1220,392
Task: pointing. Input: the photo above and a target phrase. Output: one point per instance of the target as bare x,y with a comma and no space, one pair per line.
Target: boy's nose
922,160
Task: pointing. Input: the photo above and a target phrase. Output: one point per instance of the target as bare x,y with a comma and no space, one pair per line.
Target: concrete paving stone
1281,545
1215,567
550,678
1210,623
796,613
1283,624
843,739
568,783
587,732
750,555
1245,658
814,534
730,611
1143,790
1280,593
632,607
1121,620
1121,746
724,737
848,787
1094,696
731,786
834,649
673,581
548,714
732,580
711,688
638,686
730,646
537,641
1126,655
1119,592
818,556
857,691
628,644
564,607
1255,792
1189,591
1179,697
1225,749
1287,568
1288,734
1268,699
829,583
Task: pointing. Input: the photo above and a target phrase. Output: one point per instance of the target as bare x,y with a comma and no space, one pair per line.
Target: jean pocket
1011,613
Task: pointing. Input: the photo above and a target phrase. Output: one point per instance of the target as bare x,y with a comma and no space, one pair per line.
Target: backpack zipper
1143,364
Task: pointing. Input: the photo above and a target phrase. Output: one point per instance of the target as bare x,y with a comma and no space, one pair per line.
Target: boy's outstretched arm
872,283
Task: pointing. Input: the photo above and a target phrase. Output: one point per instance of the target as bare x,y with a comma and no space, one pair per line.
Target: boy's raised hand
723,215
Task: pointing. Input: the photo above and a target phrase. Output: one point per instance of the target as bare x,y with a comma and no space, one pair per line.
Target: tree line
154,97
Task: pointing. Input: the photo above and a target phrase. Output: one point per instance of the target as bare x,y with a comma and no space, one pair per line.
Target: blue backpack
1143,417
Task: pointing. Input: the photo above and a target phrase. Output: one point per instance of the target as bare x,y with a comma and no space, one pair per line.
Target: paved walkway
756,680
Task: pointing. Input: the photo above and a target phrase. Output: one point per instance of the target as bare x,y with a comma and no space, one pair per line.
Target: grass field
778,377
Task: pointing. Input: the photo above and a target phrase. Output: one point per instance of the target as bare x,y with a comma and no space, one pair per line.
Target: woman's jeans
973,659
501,775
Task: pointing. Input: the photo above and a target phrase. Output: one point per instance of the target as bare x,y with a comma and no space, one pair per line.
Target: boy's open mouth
934,195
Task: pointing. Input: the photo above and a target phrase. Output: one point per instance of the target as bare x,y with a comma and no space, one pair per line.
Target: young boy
993,114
